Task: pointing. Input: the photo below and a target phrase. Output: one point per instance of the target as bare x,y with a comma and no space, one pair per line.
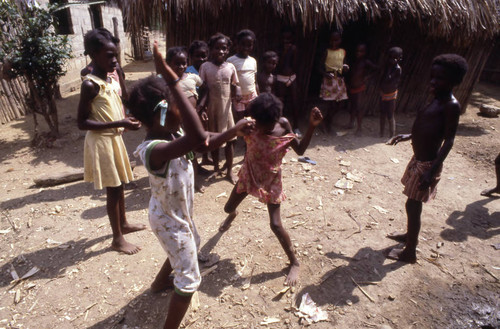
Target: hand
244,127
237,95
131,123
398,138
425,181
315,117
160,65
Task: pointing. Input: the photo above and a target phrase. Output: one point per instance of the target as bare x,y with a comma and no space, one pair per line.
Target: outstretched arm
314,120
241,128
194,136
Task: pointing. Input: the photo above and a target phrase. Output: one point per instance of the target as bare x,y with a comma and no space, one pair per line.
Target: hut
423,28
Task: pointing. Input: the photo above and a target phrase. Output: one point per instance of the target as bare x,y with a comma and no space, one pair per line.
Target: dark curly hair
266,109
269,54
454,65
144,97
396,50
195,45
245,33
174,51
95,39
216,37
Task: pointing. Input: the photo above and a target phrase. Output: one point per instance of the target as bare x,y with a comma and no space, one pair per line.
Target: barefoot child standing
432,138
389,90
167,154
260,174
221,80
100,112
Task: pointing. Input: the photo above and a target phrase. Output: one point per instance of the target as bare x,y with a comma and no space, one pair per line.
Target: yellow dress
105,157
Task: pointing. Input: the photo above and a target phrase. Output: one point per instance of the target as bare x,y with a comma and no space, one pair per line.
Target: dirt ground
339,238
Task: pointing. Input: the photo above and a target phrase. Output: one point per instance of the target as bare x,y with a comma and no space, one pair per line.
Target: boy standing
389,90
432,138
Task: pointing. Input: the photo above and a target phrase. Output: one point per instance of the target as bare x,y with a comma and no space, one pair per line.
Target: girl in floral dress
260,174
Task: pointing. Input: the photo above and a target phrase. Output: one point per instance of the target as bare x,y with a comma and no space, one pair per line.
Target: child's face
440,81
394,58
335,40
199,57
270,64
106,58
219,51
245,46
179,64
361,51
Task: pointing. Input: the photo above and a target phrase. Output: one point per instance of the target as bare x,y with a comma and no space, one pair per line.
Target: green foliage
29,42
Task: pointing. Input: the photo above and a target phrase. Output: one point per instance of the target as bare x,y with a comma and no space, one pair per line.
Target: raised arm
190,121
314,120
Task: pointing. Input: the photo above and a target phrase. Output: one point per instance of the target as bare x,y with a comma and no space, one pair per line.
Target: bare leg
198,186
286,243
360,113
383,115
126,227
229,152
230,208
179,305
496,189
353,98
215,159
163,281
409,253
115,206
390,116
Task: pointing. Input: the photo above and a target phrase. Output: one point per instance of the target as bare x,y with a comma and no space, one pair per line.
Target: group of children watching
176,111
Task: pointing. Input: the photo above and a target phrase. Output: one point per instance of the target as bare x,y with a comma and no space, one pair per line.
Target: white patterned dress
171,215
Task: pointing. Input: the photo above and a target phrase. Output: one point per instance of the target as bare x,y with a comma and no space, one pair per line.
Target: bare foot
162,285
403,255
123,246
129,228
231,176
215,174
397,236
293,275
489,192
227,222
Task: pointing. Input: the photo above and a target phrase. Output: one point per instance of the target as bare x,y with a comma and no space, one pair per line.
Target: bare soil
340,239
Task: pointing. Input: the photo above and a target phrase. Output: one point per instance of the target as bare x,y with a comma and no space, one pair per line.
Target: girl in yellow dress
106,162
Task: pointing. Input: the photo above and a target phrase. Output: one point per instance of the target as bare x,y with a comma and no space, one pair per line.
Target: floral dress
260,174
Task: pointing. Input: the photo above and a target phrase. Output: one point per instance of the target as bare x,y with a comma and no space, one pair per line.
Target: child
496,189
266,80
432,137
358,74
260,175
333,89
286,86
166,153
246,66
221,80
118,75
100,112
189,83
389,90
198,54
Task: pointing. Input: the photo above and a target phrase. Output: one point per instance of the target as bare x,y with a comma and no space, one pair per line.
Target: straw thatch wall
423,28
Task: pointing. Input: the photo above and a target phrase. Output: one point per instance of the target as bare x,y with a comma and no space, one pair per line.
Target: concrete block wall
81,21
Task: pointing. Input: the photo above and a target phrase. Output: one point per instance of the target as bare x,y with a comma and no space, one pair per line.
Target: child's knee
276,225
497,161
229,208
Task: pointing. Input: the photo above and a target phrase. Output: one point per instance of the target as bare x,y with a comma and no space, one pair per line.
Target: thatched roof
462,19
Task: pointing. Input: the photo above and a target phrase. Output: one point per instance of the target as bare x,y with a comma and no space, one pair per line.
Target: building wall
82,23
